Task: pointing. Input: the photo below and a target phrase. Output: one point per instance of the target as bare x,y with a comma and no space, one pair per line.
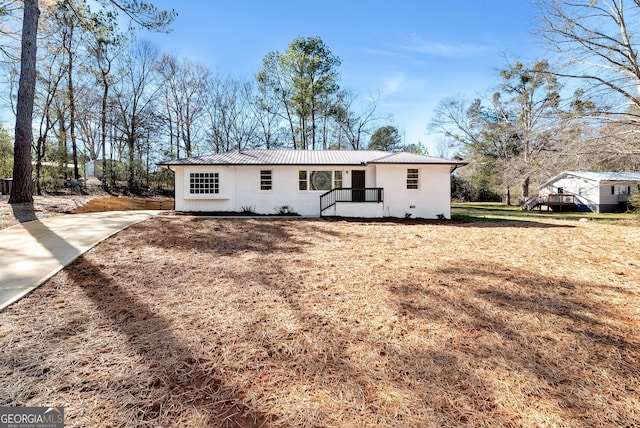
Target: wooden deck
554,201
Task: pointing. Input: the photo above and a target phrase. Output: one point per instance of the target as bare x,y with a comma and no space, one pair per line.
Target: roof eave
457,164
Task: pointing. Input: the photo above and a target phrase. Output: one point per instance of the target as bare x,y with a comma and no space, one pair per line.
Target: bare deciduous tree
142,12
356,124
133,99
185,85
598,42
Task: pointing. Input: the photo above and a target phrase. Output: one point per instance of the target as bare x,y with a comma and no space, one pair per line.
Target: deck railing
371,194
558,200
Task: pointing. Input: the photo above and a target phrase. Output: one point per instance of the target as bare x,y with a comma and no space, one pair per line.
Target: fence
5,185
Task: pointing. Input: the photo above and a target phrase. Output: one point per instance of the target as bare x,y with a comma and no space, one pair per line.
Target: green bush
634,200
6,154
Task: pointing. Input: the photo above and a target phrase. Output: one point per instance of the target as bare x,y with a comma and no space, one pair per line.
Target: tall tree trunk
313,124
170,123
525,188
103,126
62,143
22,190
72,106
40,152
131,182
131,145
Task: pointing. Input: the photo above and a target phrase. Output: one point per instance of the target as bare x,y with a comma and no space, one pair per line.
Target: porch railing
371,194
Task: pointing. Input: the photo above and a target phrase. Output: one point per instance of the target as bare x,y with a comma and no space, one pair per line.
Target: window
302,180
337,179
265,179
320,180
204,183
582,191
560,190
412,178
621,189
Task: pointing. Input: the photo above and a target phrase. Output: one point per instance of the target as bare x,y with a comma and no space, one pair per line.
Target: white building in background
367,184
594,191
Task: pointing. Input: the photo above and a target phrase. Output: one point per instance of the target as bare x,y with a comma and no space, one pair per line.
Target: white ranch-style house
363,183
599,192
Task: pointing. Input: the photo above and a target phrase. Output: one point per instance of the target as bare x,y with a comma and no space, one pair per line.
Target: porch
349,202
553,201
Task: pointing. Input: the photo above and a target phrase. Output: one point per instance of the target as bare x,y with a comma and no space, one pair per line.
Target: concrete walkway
32,252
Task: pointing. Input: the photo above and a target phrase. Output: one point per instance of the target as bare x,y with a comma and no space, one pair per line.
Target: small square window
412,178
337,179
266,182
302,180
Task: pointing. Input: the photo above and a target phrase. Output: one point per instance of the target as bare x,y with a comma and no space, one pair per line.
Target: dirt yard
195,322
42,207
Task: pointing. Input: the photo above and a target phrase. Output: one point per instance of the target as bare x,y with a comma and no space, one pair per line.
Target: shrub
634,201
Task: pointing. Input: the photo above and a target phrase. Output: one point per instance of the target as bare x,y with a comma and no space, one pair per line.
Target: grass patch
491,211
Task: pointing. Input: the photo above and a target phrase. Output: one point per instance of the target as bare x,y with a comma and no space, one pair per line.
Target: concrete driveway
32,252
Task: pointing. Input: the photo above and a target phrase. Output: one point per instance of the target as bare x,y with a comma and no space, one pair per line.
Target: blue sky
414,53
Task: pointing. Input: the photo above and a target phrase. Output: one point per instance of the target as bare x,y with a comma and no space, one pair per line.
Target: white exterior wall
608,202
224,201
356,209
611,202
432,198
240,188
586,192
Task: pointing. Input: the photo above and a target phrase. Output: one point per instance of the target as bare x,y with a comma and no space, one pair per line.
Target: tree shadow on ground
347,359
180,374
24,212
186,378
576,347
483,309
228,237
496,334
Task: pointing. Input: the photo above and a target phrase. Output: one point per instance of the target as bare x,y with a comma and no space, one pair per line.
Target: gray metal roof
597,176
310,157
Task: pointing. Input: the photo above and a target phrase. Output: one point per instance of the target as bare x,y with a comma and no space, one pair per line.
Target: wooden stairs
123,203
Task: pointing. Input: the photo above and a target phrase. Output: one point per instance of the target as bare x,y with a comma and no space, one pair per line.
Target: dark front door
357,184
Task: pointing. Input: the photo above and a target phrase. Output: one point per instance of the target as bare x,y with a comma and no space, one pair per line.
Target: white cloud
437,48
393,84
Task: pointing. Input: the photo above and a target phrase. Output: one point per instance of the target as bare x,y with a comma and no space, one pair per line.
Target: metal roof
597,176
311,157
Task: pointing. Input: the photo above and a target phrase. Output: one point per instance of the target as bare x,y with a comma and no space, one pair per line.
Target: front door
357,184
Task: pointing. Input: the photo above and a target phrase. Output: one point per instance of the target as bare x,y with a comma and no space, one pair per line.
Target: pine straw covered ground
205,322
42,207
